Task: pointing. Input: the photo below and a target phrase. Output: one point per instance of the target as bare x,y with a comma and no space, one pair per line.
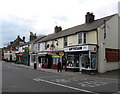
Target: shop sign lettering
75,48
81,48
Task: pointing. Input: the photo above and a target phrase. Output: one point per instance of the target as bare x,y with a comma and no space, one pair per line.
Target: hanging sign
61,53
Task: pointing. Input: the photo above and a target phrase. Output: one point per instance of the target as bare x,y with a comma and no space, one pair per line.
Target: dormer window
82,38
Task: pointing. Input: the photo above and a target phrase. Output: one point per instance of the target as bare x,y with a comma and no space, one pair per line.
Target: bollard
35,66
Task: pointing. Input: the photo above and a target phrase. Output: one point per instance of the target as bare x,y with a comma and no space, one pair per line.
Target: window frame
83,41
38,46
46,43
65,41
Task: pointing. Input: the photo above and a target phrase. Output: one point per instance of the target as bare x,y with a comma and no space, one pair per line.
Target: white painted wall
111,41
92,37
31,48
72,40
111,66
60,44
112,33
119,34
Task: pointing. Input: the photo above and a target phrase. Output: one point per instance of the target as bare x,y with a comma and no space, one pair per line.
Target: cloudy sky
19,17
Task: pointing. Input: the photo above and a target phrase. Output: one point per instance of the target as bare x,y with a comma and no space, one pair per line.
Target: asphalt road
19,79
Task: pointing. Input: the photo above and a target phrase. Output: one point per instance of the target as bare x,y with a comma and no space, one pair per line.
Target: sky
20,17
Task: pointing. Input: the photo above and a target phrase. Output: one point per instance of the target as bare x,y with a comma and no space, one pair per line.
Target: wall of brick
112,55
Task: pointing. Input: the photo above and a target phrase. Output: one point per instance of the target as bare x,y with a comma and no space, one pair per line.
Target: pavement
111,74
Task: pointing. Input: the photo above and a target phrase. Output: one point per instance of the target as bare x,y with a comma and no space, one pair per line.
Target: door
11,58
49,61
80,65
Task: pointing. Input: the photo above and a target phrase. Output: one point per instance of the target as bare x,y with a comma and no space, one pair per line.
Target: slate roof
35,40
80,28
16,42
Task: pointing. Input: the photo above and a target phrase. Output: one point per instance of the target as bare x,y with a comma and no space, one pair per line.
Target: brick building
13,45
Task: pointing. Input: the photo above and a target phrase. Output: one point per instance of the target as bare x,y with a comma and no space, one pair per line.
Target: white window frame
46,43
82,38
38,46
65,41
33,46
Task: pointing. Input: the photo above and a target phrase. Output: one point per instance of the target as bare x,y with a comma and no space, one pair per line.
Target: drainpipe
97,50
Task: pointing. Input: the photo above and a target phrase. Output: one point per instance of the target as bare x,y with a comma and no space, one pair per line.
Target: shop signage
27,48
61,53
80,48
57,56
20,54
4,51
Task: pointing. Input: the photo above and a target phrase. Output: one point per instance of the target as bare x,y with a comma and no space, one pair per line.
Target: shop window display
73,60
93,61
87,63
55,60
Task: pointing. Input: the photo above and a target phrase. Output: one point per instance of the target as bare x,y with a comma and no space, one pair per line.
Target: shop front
32,57
44,60
19,58
81,58
26,58
56,56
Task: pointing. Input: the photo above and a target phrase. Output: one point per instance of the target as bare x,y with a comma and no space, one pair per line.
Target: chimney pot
57,29
89,17
88,12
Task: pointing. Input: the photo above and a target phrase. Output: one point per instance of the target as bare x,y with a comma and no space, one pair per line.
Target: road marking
51,76
112,79
92,83
78,89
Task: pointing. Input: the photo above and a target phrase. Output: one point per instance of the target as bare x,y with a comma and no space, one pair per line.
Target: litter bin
35,66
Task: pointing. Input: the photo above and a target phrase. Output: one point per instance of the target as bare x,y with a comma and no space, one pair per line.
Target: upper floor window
34,46
46,45
82,38
38,46
65,41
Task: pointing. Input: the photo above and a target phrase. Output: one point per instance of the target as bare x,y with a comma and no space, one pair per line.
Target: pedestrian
59,66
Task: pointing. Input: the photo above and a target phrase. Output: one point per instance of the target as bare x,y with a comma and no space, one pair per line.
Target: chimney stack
18,38
89,17
57,29
23,39
32,36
